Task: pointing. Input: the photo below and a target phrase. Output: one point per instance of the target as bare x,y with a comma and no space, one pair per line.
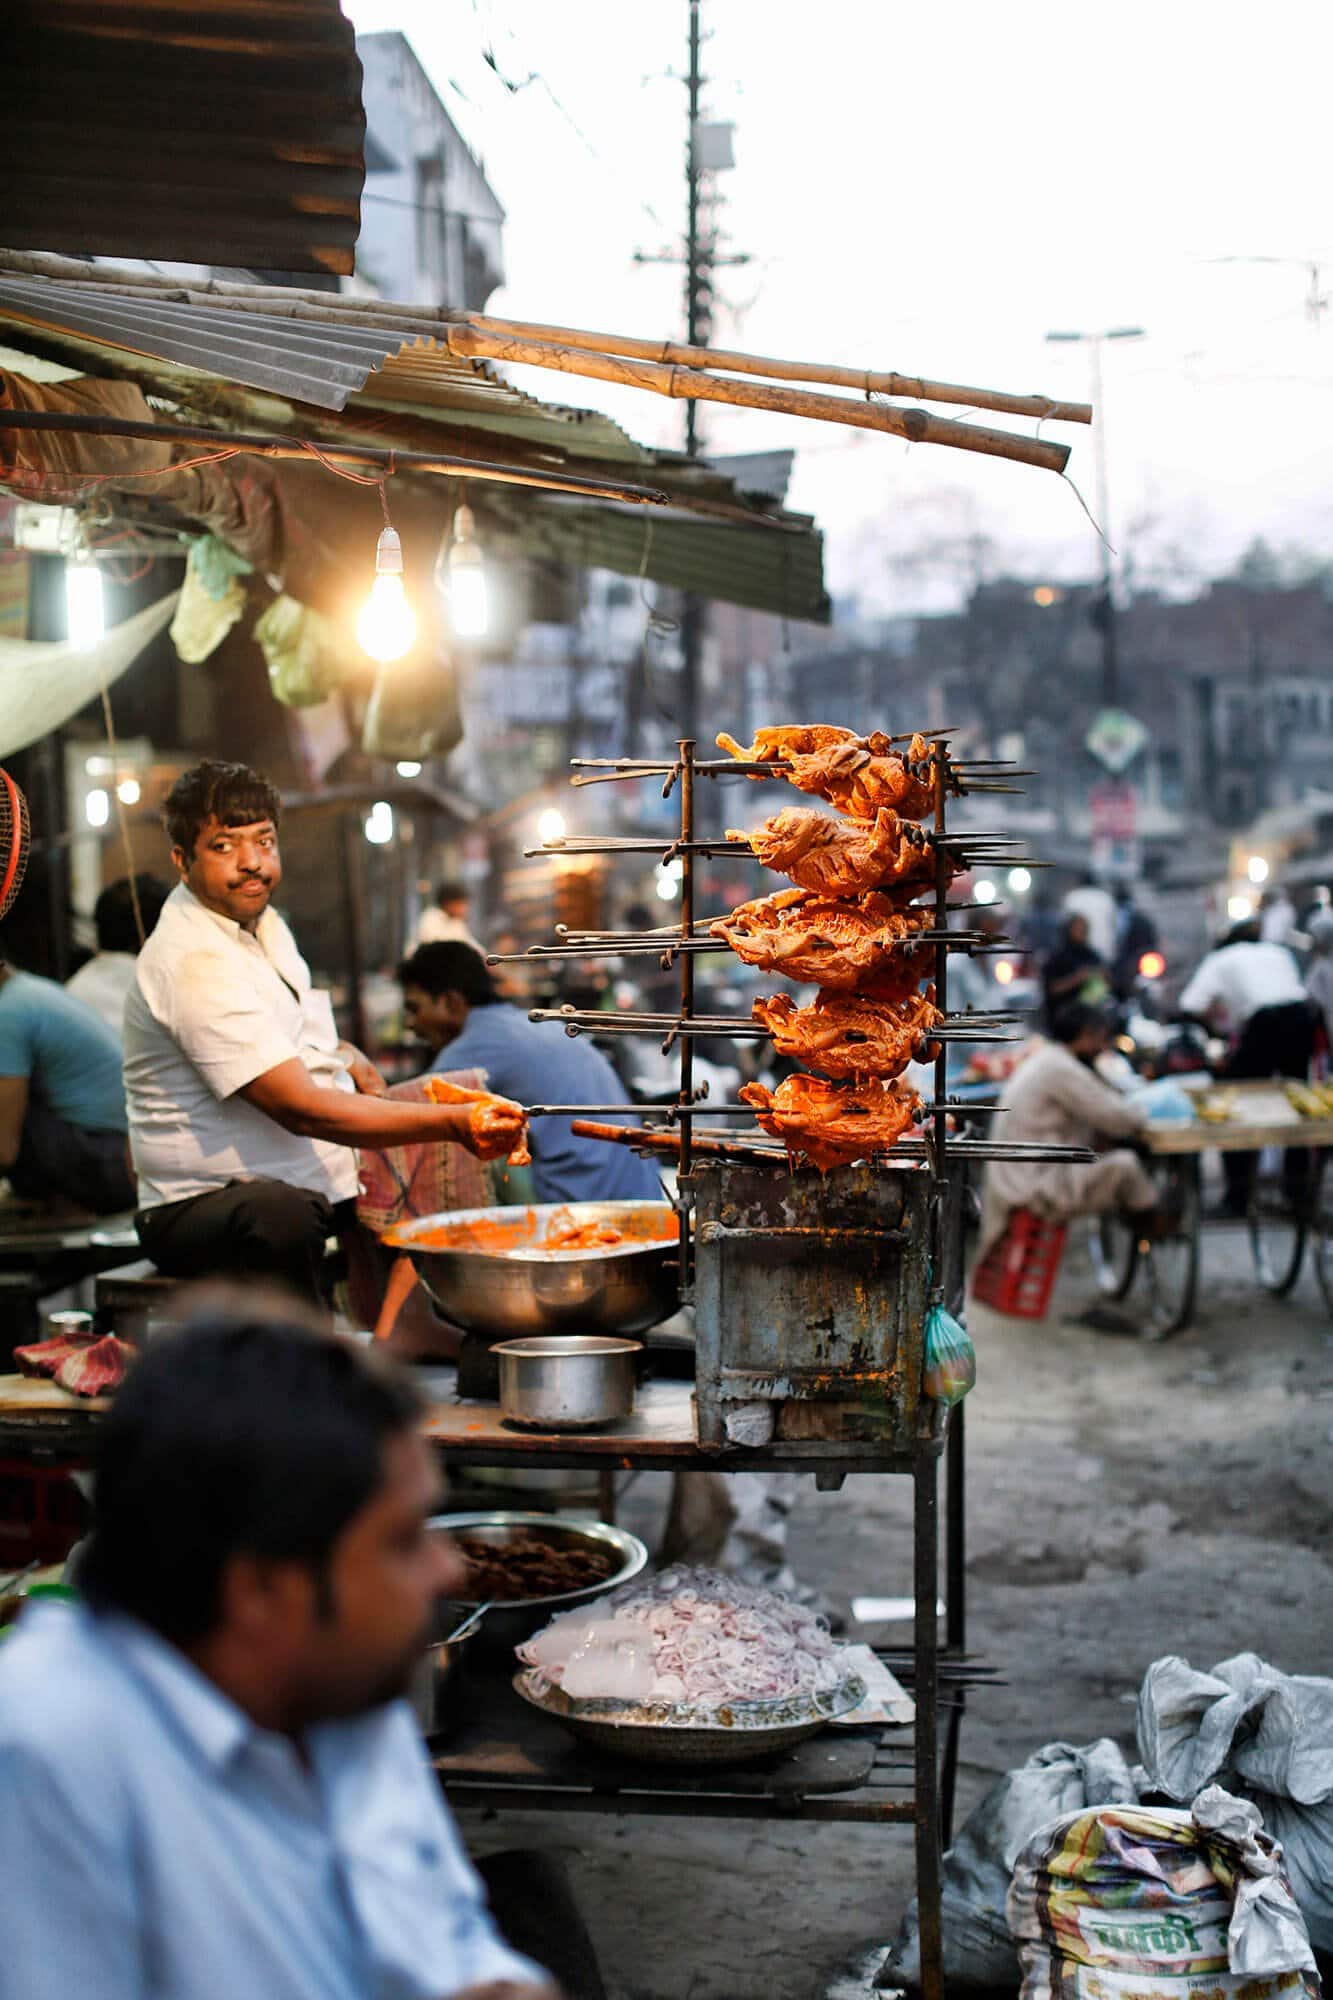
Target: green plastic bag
951,1359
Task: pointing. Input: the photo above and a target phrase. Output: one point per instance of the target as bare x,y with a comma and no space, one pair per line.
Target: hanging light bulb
469,612
379,823
128,791
85,612
387,625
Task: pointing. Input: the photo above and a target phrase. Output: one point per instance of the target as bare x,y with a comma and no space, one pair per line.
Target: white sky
932,188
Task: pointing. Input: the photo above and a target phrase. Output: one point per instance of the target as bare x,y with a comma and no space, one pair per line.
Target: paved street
1125,1501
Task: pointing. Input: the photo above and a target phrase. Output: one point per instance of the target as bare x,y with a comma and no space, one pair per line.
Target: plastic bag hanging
951,1359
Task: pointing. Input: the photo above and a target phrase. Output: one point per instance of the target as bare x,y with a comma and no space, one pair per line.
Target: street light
1093,343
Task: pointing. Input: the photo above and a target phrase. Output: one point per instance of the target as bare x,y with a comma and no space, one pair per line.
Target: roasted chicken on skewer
840,857
846,1035
499,1126
857,774
830,1124
816,939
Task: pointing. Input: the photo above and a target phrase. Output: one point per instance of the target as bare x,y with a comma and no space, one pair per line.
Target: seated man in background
451,1001
103,983
62,1102
1056,1098
208,1765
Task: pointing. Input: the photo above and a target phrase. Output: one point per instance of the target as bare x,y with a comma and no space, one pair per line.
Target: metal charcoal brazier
810,1302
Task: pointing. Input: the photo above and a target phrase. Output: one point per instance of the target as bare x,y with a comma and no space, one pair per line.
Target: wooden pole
682,355
918,426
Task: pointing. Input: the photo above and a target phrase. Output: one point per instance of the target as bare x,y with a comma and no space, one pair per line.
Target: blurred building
431,226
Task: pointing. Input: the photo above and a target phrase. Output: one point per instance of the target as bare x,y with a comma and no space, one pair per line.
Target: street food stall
814,1227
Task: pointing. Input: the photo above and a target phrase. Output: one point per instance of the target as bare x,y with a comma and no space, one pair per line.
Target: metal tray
674,1733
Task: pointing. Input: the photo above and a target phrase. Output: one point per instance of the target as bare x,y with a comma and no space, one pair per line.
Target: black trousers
57,1159
535,1912
248,1229
1275,1041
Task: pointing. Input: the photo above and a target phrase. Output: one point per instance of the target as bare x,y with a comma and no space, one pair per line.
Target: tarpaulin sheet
43,682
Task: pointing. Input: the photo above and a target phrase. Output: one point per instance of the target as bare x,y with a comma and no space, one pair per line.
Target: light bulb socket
465,549
389,553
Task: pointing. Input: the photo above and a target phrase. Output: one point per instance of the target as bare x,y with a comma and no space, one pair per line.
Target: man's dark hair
113,912
450,967
451,891
1075,1018
1248,931
246,1433
232,794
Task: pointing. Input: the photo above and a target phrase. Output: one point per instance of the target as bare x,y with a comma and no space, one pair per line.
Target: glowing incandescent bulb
387,625
469,610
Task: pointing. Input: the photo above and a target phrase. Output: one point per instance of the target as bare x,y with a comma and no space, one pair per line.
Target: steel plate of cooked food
857,774
832,1124
838,857
525,1566
822,940
851,1035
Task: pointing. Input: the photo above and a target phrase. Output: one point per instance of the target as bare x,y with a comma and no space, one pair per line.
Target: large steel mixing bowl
488,1271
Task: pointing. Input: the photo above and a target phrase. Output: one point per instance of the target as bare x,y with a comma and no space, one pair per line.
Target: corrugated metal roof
211,131
341,356
387,377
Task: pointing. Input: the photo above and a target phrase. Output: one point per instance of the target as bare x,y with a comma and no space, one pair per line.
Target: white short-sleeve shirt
212,1007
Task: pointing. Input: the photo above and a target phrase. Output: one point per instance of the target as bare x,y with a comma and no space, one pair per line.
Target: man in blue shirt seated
62,1101
451,1001
209,1782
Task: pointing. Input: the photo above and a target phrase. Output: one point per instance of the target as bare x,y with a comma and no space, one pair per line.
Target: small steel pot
567,1382
440,1674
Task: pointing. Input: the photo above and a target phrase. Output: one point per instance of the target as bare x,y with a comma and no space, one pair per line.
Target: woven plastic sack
950,1358
1136,1903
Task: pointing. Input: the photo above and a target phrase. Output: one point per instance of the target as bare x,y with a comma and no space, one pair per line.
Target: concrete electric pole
1107,620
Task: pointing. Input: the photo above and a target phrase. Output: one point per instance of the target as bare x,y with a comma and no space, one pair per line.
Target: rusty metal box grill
810,1295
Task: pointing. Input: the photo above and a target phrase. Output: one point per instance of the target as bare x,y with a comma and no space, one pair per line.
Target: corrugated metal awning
208,131
328,367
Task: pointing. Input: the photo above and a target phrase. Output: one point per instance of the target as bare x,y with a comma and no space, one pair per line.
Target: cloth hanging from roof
43,682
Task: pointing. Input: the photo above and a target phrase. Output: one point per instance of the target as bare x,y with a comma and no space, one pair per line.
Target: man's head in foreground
261,1503
222,820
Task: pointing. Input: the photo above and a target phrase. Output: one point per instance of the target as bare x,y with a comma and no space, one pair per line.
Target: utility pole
700,259
692,610
1107,615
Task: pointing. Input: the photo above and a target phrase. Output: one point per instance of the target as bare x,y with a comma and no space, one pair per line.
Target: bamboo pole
676,353
918,426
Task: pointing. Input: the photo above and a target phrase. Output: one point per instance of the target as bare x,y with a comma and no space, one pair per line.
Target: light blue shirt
156,1845
68,1053
536,1062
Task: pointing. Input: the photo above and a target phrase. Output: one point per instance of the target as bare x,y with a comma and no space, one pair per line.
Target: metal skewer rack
680,945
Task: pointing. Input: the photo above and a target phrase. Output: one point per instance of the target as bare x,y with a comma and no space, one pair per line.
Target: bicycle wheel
1115,1255
1278,1228
1321,1254
1171,1263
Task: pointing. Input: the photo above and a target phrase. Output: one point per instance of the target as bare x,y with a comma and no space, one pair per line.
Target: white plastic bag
1264,1735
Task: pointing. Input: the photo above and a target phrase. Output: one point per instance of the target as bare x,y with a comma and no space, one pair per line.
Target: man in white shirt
1252,992
244,1106
446,921
1091,901
207,1762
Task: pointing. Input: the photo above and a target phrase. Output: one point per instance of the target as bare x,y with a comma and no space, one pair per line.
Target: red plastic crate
42,1512
1017,1274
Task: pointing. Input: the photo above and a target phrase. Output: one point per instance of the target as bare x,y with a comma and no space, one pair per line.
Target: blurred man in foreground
209,1782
